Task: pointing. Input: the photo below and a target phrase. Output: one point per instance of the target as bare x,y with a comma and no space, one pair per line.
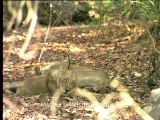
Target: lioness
32,86
86,77
57,74
45,70
89,78
74,79
62,77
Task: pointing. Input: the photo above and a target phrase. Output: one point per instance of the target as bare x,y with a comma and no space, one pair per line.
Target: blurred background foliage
88,12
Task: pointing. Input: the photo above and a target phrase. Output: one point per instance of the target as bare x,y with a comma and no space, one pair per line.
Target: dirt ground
107,46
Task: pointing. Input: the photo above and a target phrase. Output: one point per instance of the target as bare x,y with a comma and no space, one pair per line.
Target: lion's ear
37,70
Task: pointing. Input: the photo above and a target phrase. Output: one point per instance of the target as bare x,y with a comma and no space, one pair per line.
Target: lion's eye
65,80
73,84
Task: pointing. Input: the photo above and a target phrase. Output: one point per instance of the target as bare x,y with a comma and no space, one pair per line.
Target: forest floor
102,46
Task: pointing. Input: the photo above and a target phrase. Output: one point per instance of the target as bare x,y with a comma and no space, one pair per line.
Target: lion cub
33,86
46,81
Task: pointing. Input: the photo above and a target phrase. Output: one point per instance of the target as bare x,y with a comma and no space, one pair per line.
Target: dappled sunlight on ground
106,47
